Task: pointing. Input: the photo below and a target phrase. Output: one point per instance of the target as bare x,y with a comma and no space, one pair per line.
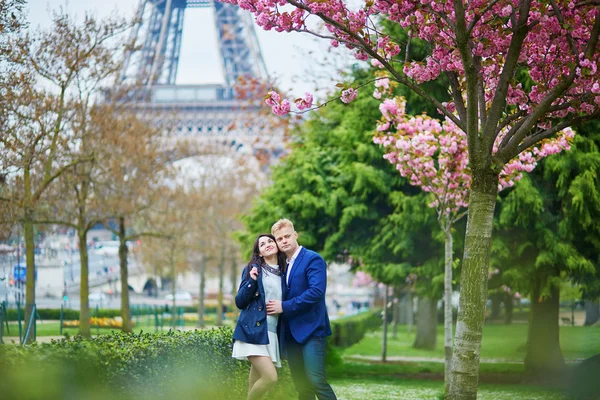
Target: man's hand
274,307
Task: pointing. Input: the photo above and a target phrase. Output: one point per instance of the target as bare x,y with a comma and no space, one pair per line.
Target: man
304,322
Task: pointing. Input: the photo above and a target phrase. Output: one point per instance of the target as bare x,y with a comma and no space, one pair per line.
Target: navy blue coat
251,325
303,303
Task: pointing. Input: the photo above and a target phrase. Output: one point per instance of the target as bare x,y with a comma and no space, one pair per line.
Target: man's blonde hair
281,224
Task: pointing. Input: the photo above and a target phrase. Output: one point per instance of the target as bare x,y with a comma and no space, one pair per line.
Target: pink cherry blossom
434,155
349,95
304,103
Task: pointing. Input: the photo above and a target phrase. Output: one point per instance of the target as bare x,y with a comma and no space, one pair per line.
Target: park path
358,357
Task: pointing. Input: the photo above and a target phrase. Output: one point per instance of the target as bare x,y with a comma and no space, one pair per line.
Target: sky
288,56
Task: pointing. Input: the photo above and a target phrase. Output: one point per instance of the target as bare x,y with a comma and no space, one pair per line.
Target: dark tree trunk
496,305
592,312
385,326
426,324
508,308
544,360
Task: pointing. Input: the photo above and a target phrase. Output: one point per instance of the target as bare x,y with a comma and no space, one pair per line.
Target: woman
255,334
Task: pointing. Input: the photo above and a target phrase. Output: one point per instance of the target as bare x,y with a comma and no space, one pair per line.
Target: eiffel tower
205,111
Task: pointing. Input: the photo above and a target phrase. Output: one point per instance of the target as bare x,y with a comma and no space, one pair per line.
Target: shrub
182,365
350,330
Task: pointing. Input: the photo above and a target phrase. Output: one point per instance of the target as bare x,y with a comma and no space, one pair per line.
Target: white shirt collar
291,260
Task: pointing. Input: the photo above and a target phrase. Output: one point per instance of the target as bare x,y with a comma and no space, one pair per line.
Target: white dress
241,350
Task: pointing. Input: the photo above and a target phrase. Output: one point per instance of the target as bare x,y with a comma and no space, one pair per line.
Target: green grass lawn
500,342
409,389
351,369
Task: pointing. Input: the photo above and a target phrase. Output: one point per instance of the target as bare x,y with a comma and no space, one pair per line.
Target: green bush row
350,330
68,315
178,365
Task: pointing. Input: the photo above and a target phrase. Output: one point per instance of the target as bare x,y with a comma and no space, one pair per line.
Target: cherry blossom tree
527,68
434,156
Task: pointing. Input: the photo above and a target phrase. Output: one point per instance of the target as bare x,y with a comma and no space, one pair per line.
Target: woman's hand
254,273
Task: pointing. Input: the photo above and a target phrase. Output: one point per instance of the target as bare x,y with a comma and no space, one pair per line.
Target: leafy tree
345,199
545,237
483,49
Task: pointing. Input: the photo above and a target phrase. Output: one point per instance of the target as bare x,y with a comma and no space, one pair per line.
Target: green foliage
345,199
188,364
351,330
547,229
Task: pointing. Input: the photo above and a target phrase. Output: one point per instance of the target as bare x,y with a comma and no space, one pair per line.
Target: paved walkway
359,357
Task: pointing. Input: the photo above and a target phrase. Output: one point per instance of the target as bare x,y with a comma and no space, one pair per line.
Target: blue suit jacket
304,311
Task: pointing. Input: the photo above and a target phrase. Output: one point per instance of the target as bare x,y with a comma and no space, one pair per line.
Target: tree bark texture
426,324
473,288
30,272
544,360
396,312
234,277
385,326
124,274
84,286
592,312
202,273
496,300
508,308
221,281
447,309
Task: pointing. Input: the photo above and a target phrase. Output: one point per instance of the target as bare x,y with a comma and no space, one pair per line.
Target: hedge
350,330
177,365
68,314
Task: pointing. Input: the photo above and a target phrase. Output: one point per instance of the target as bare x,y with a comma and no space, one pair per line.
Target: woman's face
266,246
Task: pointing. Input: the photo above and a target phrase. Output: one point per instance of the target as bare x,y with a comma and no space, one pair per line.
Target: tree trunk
84,287
220,294
234,278
410,313
396,312
508,308
385,325
496,300
473,286
124,273
202,272
592,312
30,272
544,360
426,324
173,286
447,309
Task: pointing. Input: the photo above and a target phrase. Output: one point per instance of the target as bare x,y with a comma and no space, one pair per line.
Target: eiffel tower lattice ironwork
205,110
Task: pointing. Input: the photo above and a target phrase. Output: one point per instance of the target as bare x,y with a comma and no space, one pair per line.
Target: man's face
287,240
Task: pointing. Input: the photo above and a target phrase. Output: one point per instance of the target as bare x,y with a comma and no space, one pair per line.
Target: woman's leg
268,376
253,377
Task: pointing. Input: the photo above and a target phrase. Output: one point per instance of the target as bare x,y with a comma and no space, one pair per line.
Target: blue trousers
307,367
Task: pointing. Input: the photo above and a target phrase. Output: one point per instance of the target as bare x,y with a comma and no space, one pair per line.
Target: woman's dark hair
258,260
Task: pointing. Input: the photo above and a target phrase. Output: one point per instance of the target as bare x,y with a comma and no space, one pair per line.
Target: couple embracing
282,298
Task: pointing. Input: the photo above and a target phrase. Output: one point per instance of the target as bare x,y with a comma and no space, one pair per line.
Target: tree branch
535,138
51,178
512,58
398,76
